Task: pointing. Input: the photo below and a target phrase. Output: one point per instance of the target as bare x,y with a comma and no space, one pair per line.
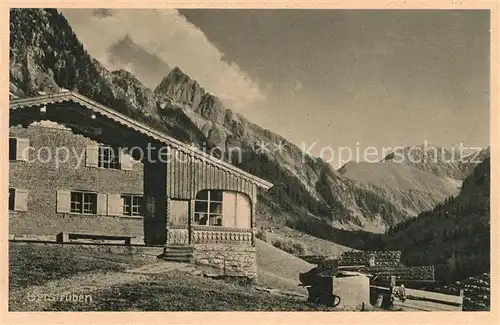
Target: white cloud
176,41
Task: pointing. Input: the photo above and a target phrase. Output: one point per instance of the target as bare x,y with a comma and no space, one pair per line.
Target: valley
436,210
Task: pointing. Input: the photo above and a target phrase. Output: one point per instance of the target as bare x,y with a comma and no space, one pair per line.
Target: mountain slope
409,187
442,162
310,195
46,55
455,235
307,183
470,162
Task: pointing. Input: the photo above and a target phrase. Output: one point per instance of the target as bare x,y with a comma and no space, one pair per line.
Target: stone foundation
142,251
232,260
138,240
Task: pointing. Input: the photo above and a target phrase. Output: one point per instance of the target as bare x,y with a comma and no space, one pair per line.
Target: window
83,202
108,158
12,148
12,199
208,208
18,149
131,205
18,199
223,208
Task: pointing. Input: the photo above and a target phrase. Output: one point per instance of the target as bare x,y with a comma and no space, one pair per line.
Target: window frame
107,158
131,205
217,215
220,215
85,198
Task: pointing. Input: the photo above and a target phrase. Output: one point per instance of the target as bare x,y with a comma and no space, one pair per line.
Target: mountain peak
177,76
180,88
443,162
177,71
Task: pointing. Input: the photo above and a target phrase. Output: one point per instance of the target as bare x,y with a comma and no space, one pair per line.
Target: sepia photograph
333,160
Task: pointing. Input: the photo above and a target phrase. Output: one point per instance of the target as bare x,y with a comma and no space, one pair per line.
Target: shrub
290,247
278,244
261,234
298,248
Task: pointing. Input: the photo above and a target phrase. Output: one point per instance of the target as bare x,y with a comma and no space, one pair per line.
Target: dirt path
37,298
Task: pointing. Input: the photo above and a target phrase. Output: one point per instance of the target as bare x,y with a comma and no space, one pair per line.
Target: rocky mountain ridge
443,162
46,55
413,189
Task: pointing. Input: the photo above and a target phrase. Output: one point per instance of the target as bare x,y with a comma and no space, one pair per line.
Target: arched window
222,208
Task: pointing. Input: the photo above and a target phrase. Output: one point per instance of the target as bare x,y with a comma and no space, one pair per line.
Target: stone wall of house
229,259
144,252
44,179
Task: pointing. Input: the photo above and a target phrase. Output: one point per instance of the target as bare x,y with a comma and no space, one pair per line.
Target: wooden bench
64,237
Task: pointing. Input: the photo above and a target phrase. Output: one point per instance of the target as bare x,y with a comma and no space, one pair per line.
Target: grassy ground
312,245
278,269
35,265
45,271
180,292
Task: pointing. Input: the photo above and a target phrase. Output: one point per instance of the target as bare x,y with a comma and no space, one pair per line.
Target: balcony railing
221,235
177,235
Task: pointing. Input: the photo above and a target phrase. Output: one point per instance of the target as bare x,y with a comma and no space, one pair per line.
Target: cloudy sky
332,77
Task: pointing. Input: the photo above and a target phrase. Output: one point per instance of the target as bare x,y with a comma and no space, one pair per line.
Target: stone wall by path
232,260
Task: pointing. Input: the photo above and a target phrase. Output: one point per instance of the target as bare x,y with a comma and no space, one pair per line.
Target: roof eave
138,126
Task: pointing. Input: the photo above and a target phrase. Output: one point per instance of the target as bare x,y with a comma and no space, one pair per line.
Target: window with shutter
91,155
229,203
125,161
223,208
108,158
114,205
63,201
83,202
21,200
131,205
22,149
18,149
243,211
102,204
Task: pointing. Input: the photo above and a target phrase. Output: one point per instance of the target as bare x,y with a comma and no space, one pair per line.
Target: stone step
180,258
190,254
179,248
168,250
177,253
